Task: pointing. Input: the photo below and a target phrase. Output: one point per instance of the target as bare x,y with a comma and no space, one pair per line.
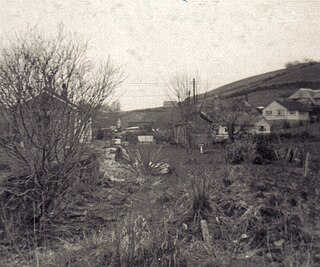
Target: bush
145,159
286,135
32,204
100,134
163,136
132,138
4,167
304,135
264,150
286,125
243,149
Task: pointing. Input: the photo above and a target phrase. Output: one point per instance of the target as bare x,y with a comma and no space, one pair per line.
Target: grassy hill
264,88
153,117
260,90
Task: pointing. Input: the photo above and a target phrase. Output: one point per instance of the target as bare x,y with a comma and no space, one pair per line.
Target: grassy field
255,215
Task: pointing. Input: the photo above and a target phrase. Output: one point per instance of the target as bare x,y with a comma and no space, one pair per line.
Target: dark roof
53,95
294,106
305,93
61,98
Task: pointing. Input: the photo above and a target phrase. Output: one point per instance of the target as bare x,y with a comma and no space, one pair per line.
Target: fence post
205,232
306,165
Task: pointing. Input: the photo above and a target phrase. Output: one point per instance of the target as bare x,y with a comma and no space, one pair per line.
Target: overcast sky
223,40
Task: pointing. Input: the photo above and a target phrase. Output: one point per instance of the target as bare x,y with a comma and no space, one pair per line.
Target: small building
180,133
306,96
220,133
259,125
146,139
132,129
291,111
48,113
169,104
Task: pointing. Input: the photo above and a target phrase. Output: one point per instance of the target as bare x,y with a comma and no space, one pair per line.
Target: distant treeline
298,64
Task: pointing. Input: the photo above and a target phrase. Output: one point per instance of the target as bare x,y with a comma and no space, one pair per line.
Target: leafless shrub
49,94
188,107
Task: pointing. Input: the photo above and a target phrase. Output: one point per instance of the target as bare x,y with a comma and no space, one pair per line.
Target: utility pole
194,91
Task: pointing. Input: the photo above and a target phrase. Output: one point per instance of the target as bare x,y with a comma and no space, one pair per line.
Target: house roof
294,106
54,95
249,118
61,98
305,93
259,118
316,94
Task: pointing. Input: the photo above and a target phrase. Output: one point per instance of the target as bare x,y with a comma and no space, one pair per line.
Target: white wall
266,125
275,108
271,112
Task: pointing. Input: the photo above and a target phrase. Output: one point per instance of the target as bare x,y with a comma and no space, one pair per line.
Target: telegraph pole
194,91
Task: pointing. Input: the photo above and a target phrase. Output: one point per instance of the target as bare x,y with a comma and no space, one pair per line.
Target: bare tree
49,94
235,113
185,89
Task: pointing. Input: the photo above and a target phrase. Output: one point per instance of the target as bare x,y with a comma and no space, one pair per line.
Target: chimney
64,92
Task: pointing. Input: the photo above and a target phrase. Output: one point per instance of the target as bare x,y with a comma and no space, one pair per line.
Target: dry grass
256,216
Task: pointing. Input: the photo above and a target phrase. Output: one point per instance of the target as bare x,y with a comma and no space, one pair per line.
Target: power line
142,96
143,84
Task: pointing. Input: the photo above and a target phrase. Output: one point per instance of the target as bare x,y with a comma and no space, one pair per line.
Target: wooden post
288,154
276,153
205,232
306,165
294,154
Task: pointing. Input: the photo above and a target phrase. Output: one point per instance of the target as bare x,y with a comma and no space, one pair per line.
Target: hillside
260,90
153,117
264,88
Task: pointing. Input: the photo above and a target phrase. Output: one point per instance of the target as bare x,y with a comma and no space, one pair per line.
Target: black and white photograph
159,133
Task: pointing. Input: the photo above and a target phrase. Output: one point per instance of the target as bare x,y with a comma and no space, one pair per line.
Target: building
290,111
306,96
259,125
49,116
169,104
180,133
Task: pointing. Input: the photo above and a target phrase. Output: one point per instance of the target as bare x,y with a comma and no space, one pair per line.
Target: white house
290,111
261,126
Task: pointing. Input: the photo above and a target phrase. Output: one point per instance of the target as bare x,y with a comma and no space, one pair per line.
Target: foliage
49,94
242,149
163,136
264,149
100,134
188,107
256,215
300,64
130,137
144,159
286,125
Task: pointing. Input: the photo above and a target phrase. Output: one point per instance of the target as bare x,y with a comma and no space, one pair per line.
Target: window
262,128
280,112
268,112
292,112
